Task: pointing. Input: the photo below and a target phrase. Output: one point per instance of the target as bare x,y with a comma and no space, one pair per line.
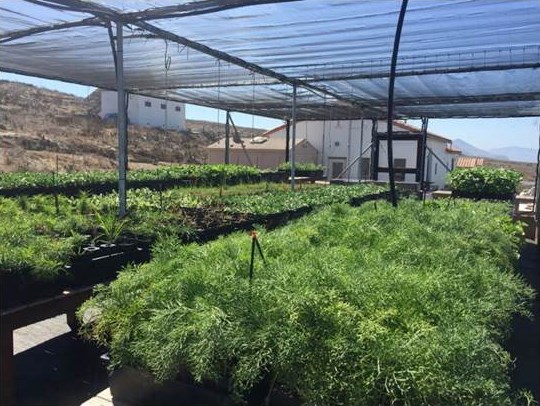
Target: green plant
404,306
38,242
110,226
207,175
301,166
484,181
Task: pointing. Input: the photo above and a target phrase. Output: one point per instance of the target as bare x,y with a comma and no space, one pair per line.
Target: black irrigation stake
254,244
54,175
161,196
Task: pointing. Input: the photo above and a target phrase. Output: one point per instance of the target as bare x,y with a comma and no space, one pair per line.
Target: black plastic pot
314,175
18,288
95,265
138,388
358,201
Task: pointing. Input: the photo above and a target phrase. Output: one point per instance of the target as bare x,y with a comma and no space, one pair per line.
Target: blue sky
482,133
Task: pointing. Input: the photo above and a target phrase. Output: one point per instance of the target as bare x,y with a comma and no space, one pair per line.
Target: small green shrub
484,181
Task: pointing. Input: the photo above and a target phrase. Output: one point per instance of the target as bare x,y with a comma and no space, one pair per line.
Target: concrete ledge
442,194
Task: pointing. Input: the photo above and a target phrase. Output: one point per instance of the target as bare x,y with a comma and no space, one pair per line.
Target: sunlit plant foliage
369,305
484,181
39,240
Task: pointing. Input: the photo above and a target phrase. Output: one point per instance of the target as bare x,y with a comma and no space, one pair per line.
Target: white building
146,111
340,144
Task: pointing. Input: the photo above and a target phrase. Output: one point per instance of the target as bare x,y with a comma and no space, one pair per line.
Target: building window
399,163
147,103
178,108
163,106
435,168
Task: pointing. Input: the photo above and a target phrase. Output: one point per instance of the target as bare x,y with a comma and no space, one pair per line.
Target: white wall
148,116
341,139
435,171
335,139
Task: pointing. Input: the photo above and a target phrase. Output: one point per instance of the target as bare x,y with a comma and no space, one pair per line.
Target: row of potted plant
12,184
42,235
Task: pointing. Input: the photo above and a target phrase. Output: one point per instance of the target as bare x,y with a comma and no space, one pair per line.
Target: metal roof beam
196,8
434,71
488,98
13,35
176,11
109,14
242,63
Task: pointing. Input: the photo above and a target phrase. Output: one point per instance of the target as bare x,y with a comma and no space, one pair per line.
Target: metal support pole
537,194
349,150
390,118
293,146
227,138
287,138
375,151
121,122
423,183
361,146
438,159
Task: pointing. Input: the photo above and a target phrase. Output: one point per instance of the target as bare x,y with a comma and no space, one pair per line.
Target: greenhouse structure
292,60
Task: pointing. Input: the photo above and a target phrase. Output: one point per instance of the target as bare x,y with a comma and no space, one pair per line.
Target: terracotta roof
270,144
469,162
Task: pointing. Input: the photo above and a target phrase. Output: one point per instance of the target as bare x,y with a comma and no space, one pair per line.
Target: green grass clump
370,306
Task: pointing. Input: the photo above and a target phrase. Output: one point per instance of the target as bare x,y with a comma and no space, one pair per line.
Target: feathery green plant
404,306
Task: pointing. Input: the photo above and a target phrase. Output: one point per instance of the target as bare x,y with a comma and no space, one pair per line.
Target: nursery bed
370,305
81,262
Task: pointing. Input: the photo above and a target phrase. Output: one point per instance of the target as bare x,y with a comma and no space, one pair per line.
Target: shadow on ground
63,371
524,344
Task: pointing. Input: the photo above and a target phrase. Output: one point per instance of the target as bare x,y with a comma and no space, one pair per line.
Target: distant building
339,145
146,111
263,152
469,162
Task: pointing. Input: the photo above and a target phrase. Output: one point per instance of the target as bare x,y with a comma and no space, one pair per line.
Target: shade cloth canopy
457,58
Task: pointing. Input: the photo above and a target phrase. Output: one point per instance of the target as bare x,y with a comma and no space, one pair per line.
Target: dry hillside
41,128
528,169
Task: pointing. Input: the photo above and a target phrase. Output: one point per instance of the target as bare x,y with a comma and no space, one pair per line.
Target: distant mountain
471,150
517,153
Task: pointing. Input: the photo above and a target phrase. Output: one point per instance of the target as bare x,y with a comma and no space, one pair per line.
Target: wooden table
17,317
